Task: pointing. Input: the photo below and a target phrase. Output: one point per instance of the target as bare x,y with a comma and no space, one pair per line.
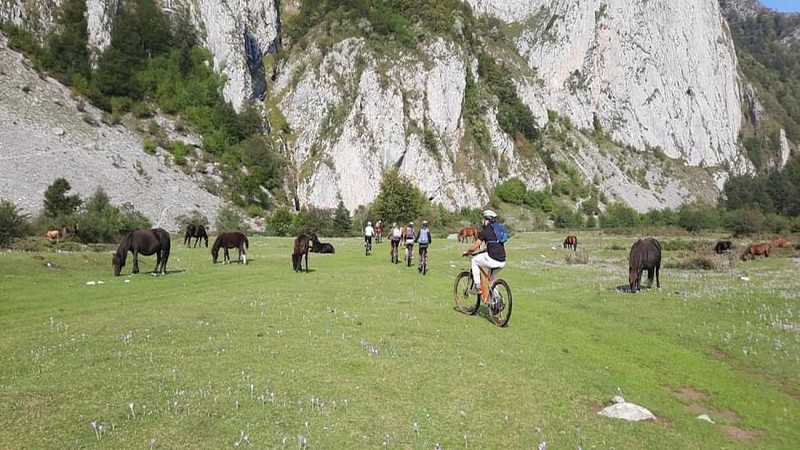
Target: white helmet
411,224
424,222
489,214
369,223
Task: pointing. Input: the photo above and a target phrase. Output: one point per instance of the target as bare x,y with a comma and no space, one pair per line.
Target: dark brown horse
319,247
722,247
645,255
466,232
754,250
571,242
301,247
146,242
196,231
233,239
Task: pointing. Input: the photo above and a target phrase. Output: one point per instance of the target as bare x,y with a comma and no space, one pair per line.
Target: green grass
359,349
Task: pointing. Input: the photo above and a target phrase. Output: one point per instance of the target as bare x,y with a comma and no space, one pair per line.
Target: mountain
641,101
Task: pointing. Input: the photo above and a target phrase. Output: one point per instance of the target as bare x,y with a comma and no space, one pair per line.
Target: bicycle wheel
500,303
425,265
465,302
409,257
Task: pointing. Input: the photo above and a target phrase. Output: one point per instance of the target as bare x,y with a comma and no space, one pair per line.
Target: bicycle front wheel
465,302
500,303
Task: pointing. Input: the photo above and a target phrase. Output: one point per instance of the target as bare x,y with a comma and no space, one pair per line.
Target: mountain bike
423,262
368,247
495,295
395,250
409,253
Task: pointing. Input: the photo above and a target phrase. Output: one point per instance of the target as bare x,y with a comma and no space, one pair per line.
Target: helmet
369,223
424,222
411,224
394,224
489,214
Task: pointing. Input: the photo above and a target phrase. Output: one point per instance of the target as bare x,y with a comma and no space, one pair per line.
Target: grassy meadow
362,354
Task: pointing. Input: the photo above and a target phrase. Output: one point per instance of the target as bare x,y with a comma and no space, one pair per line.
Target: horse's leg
306,259
227,258
243,253
158,261
135,262
650,272
658,282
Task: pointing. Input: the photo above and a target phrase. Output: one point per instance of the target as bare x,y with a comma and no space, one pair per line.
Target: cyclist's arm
475,246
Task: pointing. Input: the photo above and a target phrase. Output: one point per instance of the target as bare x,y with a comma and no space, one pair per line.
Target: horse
722,247
195,231
301,247
147,242
53,235
780,242
645,255
754,250
319,247
233,239
466,232
571,242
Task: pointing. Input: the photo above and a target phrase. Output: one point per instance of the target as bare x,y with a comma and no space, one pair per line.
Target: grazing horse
226,241
754,250
645,255
722,247
319,247
466,232
196,231
301,247
146,242
780,242
571,242
53,235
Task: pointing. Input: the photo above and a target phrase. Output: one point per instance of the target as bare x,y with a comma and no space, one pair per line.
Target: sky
782,5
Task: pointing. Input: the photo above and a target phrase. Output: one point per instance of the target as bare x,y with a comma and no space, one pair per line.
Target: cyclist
494,258
394,238
368,233
378,231
410,236
424,240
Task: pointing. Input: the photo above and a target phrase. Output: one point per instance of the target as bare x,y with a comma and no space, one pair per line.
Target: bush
228,219
512,191
745,221
578,257
280,223
619,215
702,260
13,223
695,217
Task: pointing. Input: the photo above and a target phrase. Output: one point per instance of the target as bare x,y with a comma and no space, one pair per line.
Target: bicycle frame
486,281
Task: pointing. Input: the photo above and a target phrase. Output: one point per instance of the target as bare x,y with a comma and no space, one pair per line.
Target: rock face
46,134
651,73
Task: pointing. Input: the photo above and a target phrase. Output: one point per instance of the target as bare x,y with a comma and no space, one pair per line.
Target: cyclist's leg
483,260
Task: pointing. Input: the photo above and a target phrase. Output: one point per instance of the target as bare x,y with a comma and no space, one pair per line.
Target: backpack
500,232
424,236
409,233
396,233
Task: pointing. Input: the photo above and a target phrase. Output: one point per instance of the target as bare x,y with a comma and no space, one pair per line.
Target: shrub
745,221
228,219
13,223
512,191
280,223
578,257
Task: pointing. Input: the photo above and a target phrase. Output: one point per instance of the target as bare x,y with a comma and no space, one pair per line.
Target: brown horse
196,231
302,245
146,242
645,255
466,232
571,242
780,242
233,239
754,250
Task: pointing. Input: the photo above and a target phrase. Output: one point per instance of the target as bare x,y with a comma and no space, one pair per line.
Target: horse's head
118,261
633,278
214,253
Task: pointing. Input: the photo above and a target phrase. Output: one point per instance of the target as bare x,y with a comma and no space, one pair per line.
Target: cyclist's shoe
419,268
474,290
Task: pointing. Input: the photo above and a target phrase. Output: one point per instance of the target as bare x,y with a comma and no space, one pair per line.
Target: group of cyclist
493,259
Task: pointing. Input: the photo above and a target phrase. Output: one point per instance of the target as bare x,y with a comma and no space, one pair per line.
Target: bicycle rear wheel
500,303
465,302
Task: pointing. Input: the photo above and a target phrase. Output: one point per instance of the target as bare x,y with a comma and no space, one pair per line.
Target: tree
695,217
67,52
13,224
398,200
619,215
101,221
342,224
280,223
56,202
512,191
